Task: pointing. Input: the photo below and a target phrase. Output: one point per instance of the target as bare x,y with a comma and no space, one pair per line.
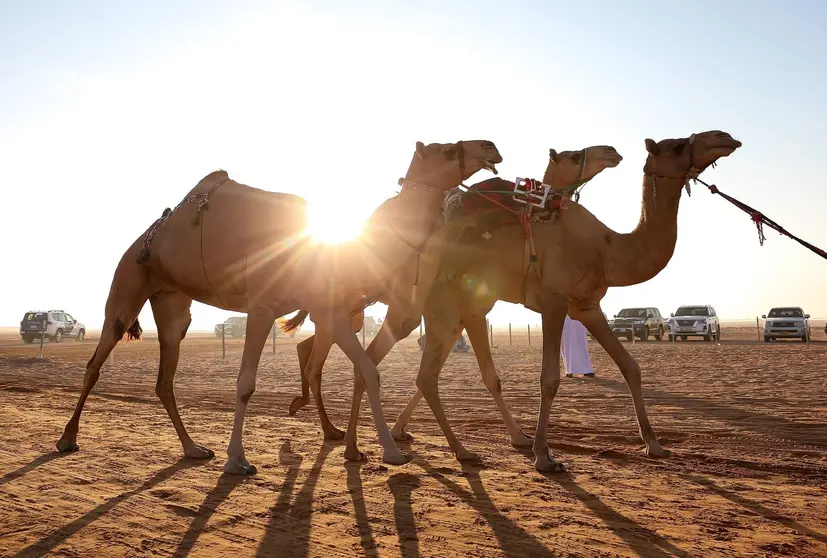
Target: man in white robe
575,350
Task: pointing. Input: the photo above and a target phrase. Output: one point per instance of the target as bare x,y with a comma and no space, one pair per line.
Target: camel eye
679,148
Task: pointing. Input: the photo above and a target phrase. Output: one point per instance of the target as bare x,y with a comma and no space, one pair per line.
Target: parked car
785,322
695,321
234,326
640,323
58,324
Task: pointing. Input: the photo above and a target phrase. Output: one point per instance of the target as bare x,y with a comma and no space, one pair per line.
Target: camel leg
596,324
303,350
397,325
398,429
478,336
259,322
554,315
172,317
131,287
440,325
313,374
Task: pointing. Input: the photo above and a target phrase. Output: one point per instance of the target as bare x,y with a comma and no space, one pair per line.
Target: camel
566,171
580,259
247,250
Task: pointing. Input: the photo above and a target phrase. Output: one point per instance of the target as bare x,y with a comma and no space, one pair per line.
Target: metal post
509,333
274,338
807,330
491,332
758,328
363,330
42,336
529,334
223,346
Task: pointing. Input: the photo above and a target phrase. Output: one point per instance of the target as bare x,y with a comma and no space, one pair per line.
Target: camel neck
638,256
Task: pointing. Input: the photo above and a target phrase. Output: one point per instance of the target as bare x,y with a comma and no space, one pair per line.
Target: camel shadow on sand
513,540
762,423
32,465
46,544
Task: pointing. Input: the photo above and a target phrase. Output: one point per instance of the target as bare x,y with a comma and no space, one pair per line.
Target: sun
332,222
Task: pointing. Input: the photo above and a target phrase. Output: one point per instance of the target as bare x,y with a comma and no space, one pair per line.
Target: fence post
758,328
491,332
509,333
807,330
42,336
363,330
274,338
529,334
223,347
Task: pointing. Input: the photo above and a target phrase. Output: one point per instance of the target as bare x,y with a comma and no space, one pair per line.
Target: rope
760,220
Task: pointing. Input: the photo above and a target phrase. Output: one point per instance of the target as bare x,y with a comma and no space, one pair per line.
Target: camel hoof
295,405
66,446
401,436
658,452
466,455
353,454
334,434
396,458
239,466
199,452
522,441
549,466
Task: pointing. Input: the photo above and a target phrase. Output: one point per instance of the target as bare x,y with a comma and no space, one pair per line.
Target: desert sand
747,421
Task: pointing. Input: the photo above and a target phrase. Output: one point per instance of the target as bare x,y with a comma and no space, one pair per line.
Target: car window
35,316
786,313
632,313
692,311
69,317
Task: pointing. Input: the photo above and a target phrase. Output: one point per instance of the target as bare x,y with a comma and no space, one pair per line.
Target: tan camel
565,172
246,250
580,259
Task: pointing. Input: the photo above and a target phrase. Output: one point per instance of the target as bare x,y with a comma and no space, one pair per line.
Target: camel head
686,158
443,166
573,168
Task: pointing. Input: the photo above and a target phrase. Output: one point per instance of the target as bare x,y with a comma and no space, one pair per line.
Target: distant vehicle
371,325
58,325
640,323
785,322
460,345
695,321
236,326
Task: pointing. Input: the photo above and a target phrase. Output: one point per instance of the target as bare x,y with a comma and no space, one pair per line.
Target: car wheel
28,339
804,339
766,339
58,336
645,336
81,336
659,334
718,333
683,338
629,337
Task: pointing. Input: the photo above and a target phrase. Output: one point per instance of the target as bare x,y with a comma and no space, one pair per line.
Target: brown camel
580,259
565,172
246,250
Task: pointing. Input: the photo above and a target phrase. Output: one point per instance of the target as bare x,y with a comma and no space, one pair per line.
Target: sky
110,112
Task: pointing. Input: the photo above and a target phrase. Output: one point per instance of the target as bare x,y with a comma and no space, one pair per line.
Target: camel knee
492,382
549,386
406,327
245,389
427,384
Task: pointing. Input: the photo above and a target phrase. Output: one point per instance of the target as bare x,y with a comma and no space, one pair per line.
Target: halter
691,174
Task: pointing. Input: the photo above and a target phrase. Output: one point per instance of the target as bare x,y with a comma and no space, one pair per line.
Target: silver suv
786,322
695,321
56,324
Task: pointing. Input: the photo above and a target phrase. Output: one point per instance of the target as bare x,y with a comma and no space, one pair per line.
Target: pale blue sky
110,112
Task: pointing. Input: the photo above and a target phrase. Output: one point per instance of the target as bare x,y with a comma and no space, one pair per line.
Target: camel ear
552,154
652,147
420,150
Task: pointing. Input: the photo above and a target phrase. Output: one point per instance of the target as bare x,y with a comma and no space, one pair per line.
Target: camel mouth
612,161
490,165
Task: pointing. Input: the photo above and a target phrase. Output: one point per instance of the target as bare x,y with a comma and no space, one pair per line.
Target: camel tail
286,326
134,332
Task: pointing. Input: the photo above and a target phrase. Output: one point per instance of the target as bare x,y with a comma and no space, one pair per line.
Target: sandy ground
748,423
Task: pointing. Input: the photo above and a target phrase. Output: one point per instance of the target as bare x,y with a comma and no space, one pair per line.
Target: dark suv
640,323
234,326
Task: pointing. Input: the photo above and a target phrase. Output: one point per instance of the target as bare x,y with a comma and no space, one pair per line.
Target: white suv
786,322
58,324
695,321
